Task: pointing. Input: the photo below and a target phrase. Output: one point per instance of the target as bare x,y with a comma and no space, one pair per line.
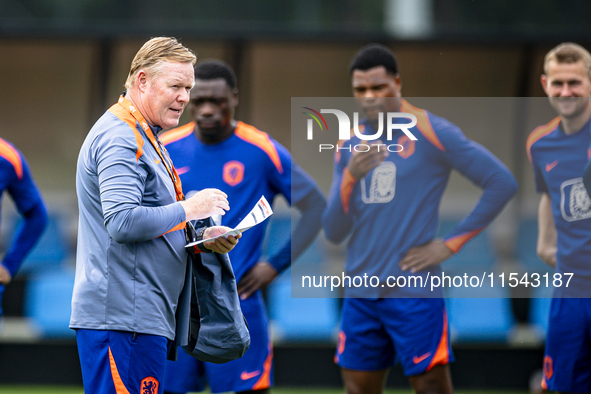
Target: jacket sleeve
311,206
30,205
301,191
122,183
337,220
486,171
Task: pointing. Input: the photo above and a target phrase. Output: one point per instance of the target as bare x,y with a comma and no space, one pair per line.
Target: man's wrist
199,237
185,209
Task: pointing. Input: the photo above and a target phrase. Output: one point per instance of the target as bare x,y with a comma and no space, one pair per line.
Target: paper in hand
261,211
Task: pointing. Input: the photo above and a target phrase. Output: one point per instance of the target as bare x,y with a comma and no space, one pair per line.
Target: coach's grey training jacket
129,268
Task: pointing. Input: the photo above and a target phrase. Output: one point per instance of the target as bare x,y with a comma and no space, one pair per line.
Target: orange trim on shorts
8,152
342,340
347,183
340,346
261,139
441,356
264,381
423,124
119,386
456,243
540,132
170,136
548,368
128,118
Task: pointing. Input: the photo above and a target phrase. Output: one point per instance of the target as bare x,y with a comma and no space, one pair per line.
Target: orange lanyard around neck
125,103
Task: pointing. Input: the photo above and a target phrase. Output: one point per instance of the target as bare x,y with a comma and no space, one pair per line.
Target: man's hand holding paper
261,211
219,243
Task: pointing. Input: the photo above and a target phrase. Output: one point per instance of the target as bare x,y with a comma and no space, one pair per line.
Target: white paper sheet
261,211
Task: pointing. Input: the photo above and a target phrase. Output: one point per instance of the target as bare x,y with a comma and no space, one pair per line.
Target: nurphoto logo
345,128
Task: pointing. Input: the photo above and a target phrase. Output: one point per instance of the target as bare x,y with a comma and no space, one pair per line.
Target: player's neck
394,105
572,125
216,138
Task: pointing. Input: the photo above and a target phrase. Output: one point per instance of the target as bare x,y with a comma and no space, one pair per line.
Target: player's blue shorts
375,334
567,361
115,362
253,371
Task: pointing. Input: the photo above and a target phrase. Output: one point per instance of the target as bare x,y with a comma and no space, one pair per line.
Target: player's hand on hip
5,276
427,255
222,244
258,277
206,203
361,163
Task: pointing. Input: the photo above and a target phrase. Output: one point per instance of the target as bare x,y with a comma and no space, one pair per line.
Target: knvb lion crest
382,186
233,172
575,202
580,204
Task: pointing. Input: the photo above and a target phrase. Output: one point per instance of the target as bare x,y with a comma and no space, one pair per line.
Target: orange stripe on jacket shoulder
128,118
8,152
262,140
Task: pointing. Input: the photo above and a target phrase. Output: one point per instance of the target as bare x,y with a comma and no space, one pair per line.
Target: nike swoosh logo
183,170
417,360
158,161
550,166
249,375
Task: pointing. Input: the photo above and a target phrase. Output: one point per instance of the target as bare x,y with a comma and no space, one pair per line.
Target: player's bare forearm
430,254
546,247
5,276
548,256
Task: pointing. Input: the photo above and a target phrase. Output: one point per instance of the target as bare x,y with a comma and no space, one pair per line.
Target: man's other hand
428,255
258,277
361,163
206,203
